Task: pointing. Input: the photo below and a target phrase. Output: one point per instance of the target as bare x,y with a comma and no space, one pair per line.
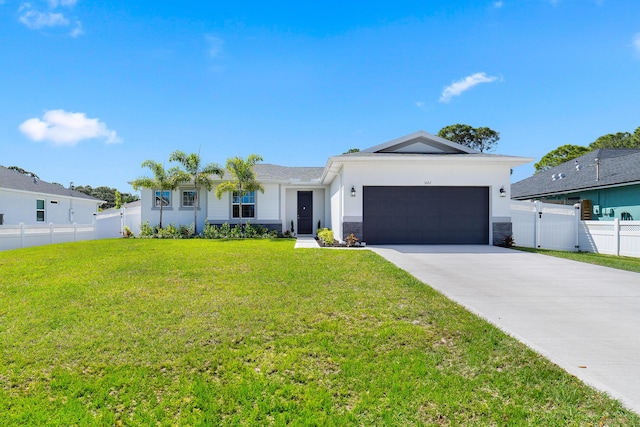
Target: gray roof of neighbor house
15,180
615,167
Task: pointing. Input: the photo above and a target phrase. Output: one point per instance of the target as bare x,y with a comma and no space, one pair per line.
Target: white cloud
457,88
77,30
636,42
215,45
498,4
67,3
35,19
66,128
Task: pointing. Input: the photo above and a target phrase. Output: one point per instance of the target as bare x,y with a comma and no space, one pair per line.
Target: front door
305,212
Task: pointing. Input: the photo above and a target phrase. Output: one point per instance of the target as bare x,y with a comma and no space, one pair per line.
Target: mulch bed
337,244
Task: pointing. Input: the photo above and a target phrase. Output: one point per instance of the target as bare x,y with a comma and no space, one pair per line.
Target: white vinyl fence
551,226
22,236
111,224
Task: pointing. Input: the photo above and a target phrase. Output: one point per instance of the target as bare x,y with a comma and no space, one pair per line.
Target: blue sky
89,90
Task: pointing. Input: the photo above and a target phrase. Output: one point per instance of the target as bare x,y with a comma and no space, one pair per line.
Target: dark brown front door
305,212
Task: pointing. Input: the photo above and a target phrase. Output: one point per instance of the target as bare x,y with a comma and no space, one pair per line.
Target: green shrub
211,231
146,230
186,231
326,236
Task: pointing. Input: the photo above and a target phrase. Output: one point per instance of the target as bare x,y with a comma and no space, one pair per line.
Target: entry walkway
582,317
306,242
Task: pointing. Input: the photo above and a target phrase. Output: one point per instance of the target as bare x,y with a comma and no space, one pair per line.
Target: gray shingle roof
616,167
269,172
18,181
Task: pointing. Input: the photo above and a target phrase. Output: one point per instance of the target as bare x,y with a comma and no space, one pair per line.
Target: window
40,210
248,205
188,198
163,197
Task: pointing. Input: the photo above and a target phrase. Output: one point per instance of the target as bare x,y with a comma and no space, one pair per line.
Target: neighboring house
606,182
31,201
416,189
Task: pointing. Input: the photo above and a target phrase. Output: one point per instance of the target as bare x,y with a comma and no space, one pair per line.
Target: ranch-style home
417,189
29,200
606,183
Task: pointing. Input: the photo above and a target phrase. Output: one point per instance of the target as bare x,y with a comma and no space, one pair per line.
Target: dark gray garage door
426,215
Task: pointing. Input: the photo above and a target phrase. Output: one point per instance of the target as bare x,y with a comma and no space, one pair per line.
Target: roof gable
420,142
614,167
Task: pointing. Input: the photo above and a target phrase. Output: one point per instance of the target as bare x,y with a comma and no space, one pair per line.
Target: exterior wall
275,208
337,211
611,202
268,203
218,209
434,172
20,207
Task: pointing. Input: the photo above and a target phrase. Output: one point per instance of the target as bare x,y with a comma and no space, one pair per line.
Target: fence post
538,222
22,234
578,218
616,235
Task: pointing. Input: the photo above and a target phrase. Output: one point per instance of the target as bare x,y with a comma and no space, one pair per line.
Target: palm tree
200,175
243,179
162,180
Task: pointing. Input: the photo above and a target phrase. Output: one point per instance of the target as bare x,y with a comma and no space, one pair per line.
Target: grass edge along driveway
199,332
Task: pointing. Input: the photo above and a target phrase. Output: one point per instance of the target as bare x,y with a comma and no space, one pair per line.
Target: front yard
201,332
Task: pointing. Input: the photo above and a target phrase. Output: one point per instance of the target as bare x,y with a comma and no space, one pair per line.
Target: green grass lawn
619,262
201,332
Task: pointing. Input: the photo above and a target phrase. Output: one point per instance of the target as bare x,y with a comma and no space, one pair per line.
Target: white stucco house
29,200
417,189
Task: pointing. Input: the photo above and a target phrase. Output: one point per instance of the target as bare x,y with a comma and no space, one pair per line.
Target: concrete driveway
582,317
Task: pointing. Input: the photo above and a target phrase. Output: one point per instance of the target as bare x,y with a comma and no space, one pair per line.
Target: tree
617,140
560,155
107,194
352,150
118,202
19,169
481,139
243,179
162,180
201,176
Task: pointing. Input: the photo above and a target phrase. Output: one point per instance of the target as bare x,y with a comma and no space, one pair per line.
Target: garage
425,215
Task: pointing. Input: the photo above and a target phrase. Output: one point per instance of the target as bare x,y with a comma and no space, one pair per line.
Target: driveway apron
582,317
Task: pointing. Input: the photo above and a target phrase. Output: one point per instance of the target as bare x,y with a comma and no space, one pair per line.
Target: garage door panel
426,215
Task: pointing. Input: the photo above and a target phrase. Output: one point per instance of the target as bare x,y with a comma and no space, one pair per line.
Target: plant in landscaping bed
508,241
146,230
351,240
126,232
326,236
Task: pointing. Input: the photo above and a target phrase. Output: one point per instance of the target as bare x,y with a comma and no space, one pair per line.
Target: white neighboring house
31,201
417,189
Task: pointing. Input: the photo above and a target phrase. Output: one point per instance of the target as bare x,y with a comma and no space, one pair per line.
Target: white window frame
193,202
248,199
